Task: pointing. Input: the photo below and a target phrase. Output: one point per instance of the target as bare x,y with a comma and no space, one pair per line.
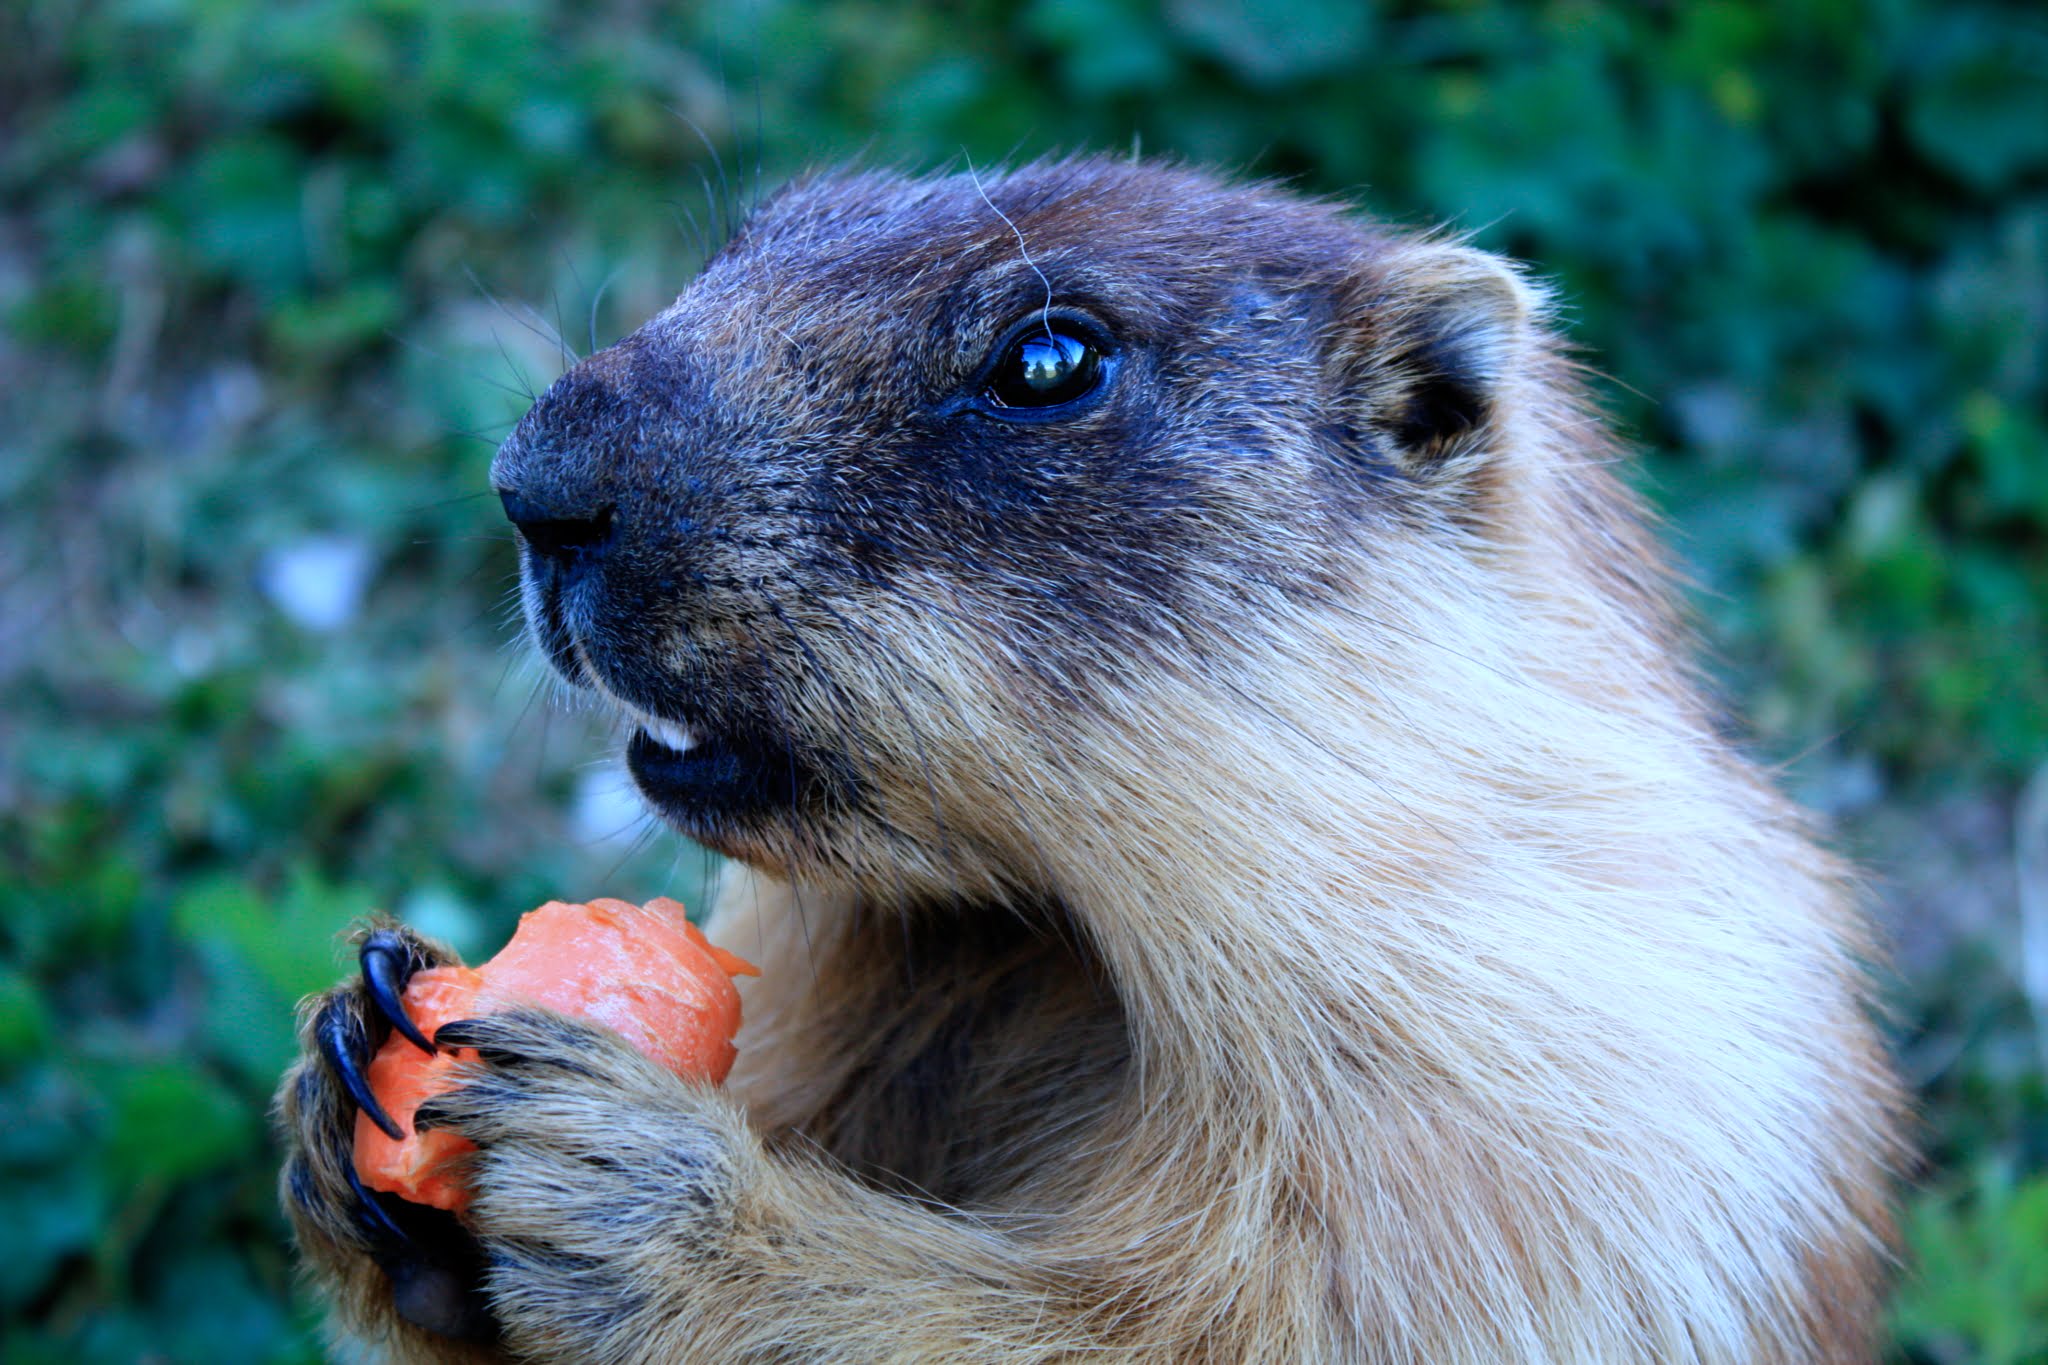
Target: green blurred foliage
255,640
1983,1273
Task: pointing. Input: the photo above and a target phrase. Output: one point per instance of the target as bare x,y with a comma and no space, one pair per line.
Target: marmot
1242,865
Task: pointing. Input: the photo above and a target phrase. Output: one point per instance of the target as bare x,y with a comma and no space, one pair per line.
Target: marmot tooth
668,734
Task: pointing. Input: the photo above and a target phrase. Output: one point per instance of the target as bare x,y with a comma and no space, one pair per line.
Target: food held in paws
644,971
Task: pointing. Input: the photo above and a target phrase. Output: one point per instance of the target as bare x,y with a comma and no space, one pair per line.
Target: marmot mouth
692,776
709,775
731,776
720,786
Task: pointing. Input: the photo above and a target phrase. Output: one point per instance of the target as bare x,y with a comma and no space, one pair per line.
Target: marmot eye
1044,369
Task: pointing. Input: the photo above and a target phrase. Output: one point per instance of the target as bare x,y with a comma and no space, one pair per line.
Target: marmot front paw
433,1267
585,1147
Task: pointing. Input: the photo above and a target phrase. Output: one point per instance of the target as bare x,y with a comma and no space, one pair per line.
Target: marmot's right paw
417,1259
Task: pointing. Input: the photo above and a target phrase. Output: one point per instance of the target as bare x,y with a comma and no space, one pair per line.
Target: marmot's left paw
588,1152
432,1268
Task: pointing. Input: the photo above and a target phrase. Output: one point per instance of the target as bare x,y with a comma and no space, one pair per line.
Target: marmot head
918,471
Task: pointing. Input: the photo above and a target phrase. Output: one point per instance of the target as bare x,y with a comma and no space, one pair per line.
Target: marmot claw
388,963
434,1267
345,1045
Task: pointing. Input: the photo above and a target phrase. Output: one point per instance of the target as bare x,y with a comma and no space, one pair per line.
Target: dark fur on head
804,433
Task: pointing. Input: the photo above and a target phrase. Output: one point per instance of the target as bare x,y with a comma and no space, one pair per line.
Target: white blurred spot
318,582
193,652
439,913
236,395
607,809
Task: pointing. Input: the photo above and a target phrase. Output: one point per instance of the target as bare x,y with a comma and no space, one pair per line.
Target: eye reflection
1044,369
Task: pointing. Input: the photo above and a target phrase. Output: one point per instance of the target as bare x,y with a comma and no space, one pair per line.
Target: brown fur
1256,880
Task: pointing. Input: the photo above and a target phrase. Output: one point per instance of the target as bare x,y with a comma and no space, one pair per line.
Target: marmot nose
568,538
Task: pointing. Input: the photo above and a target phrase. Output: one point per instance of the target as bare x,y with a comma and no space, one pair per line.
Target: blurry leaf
291,942
24,1019
1990,298
940,90
1979,1284
247,1023
41,1119
101,114
241,212
49,1216
1270,41
2011,448
334,325
349,55
1105,47
168,1120
1983,111
112,1336
84,920
262,955
79,313
1903,564
209,1308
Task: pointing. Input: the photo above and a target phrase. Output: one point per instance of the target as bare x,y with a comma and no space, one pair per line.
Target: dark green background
274,277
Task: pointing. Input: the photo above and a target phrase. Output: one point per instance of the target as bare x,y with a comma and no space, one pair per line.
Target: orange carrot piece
645,971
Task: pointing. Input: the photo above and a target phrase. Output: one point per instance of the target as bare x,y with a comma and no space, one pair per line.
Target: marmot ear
1429,339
